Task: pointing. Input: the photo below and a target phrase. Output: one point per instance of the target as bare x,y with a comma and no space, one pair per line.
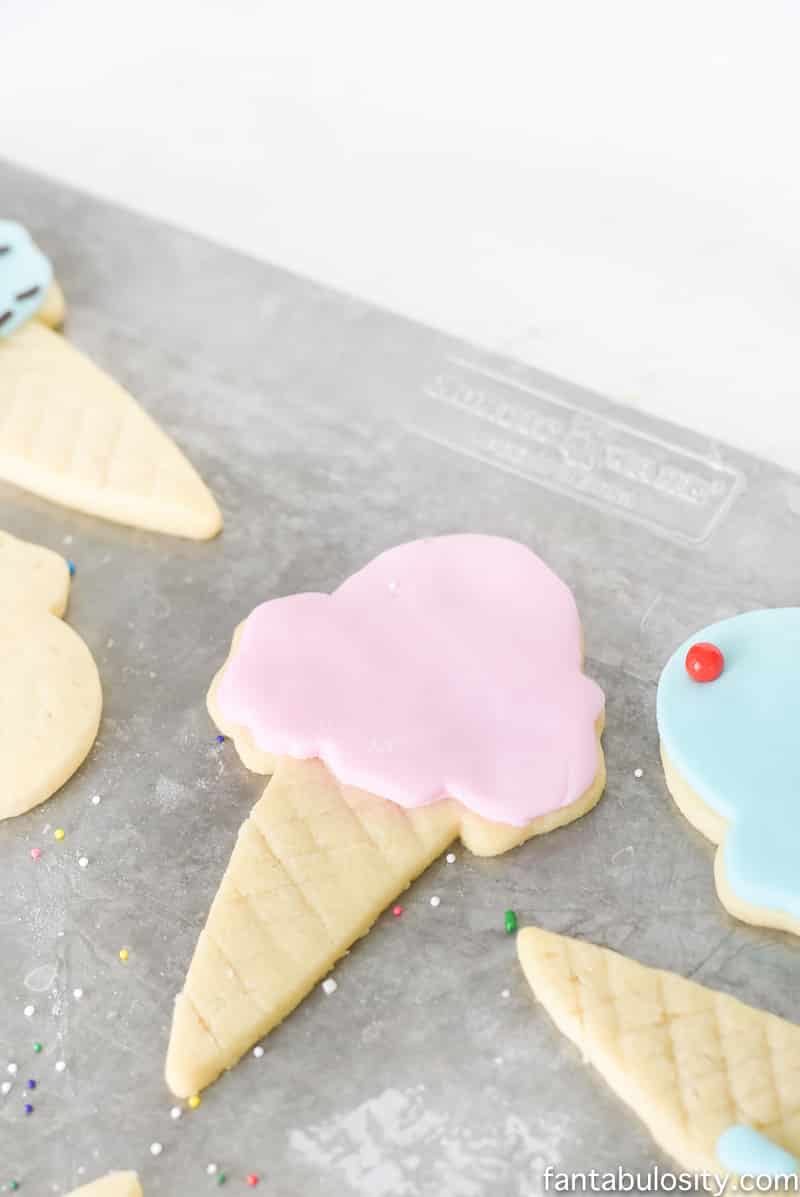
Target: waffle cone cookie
116,1184
716,1082
68,432
50,694
728,712
437,694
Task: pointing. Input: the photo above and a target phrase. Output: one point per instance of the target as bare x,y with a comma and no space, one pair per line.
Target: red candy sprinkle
397,911
252,1180
704,662
36,853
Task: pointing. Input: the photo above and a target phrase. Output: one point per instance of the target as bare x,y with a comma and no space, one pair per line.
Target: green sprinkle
221,1178
510,921
37,1047
13,1185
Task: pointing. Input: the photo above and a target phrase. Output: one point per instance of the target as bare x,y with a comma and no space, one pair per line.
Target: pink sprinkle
35,853
397,911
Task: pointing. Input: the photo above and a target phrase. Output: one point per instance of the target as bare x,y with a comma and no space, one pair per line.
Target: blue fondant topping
25,275
747,1152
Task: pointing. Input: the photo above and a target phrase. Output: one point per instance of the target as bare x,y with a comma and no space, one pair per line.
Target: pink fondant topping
445,668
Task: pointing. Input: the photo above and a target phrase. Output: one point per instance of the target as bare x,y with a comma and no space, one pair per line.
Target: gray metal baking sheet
330,431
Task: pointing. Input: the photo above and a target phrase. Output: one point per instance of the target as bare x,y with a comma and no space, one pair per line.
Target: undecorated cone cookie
50,693
438,693
116,1184
715,1081
71,434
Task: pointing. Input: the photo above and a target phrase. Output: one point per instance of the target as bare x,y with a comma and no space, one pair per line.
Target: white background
609,189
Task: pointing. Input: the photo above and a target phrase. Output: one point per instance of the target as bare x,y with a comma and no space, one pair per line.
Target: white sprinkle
67,540
211,1169
156,1149
451,858
96,800
329,986
77,994
5,1087
498,1059
12,1068
505,993
83,861
29,1011
638,773
60,1066
175,1113
435,900
393,586
258,1052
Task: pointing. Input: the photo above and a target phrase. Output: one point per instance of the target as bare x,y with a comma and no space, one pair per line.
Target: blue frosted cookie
25,277
729,721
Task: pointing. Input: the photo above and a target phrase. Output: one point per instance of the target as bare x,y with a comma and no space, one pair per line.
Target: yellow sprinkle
194,1102
58,834
123,953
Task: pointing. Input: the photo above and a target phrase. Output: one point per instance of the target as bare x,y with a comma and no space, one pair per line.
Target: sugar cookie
50,694
716,1082
32,577
54,309
71,434
116,1184
438,692
728,712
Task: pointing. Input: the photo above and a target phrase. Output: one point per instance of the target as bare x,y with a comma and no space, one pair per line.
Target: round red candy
704,662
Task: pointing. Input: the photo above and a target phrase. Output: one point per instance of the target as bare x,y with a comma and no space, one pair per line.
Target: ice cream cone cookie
716,1082
728,712
116,1184
438,693
50,694
68,432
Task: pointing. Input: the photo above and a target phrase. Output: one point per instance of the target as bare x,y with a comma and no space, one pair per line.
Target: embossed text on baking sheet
553,441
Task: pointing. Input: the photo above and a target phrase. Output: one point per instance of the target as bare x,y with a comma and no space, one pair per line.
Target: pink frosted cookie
437,693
